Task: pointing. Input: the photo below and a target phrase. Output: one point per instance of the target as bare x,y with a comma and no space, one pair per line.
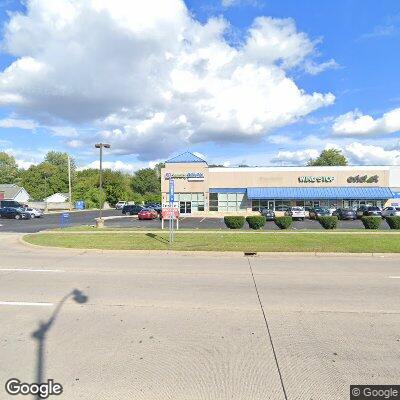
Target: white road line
29,270
203,219
23,303
394,277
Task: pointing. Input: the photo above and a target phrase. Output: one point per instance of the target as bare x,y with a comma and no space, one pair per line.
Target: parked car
360,210
147,213
391,211
14,213
34,212
345,213
296,213
10,203
268,214
317,212
120,205
131,209
155,206
281,208
373,211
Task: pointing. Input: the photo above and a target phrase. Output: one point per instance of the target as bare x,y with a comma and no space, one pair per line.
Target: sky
257,82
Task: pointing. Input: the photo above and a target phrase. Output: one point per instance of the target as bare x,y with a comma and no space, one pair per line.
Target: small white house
57,198
14,192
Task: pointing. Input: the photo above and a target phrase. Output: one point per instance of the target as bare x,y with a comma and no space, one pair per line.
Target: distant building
14,192
57,198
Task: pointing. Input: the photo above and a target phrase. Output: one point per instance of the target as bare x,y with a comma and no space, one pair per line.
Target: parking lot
52,221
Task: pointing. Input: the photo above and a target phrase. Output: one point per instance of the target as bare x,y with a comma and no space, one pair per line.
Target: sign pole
171,206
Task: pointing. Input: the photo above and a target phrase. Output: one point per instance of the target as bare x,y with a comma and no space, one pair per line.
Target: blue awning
312,193
227,190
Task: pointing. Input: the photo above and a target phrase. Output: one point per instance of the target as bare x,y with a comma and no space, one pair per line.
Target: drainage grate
250,253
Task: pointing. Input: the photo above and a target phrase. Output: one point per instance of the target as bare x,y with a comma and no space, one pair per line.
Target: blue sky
238,81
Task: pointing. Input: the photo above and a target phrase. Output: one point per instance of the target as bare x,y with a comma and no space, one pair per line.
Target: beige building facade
200,189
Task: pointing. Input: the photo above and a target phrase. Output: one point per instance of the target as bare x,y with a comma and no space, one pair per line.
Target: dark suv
14,213
131,209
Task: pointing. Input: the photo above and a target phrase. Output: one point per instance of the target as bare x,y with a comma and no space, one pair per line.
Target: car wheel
17,216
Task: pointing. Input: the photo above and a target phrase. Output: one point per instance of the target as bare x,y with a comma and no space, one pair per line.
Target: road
189,328
52,221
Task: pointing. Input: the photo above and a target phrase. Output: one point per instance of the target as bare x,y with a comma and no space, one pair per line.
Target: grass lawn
219,241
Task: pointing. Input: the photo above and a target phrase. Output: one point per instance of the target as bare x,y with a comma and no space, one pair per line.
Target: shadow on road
40,334
157,237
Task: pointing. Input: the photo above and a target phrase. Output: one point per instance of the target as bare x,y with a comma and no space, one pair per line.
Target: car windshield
374,208
297,209
348,210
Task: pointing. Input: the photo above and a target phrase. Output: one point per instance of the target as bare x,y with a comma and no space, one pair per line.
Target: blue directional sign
64,217
171,190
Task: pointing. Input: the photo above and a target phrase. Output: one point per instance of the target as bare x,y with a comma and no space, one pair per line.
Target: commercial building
200,189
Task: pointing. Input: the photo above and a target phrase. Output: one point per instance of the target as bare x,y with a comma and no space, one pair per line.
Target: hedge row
328,222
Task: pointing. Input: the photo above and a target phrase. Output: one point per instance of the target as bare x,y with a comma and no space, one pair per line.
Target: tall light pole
69,183
100,146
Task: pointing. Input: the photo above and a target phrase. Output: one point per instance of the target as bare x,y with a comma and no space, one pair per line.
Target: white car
120,205
391,211
34,212
296,213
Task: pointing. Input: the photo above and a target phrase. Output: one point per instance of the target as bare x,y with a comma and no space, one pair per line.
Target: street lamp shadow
40,335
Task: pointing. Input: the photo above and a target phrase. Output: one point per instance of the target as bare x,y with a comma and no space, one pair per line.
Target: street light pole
100,146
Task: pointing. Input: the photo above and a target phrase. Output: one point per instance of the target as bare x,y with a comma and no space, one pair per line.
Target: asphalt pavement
194,327
52,221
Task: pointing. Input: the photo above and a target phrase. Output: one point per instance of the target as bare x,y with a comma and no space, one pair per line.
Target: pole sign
171,191
64,217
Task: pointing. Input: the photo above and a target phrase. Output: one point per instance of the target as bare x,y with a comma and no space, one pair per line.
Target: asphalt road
52,221
189,328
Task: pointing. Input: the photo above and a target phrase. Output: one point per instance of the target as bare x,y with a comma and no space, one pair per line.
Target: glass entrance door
271,205
185,207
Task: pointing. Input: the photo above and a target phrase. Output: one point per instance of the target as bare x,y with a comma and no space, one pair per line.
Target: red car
147,213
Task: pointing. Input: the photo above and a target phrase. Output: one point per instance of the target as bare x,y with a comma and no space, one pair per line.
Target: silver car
391,212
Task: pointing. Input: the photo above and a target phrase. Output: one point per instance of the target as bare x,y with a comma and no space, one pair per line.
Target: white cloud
298,157
75,143
354,123
314,68
357,154
114,165
18,123
151,77
64,131
365,154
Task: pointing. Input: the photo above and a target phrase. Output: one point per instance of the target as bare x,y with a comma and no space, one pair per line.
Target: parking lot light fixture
100,146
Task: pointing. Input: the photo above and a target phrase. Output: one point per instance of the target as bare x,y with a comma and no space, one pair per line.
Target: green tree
329,157
59,159
8,168
146,181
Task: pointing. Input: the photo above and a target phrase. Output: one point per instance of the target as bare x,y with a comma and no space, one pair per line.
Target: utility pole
69,184
100,146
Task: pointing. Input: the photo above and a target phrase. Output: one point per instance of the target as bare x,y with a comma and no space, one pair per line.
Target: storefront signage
318,179
363,179
190,176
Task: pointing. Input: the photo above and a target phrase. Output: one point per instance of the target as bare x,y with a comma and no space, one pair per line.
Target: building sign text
318,179
363,179
190,176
